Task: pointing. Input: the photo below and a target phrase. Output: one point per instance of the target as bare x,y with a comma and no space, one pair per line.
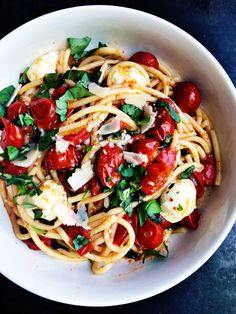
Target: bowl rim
232,218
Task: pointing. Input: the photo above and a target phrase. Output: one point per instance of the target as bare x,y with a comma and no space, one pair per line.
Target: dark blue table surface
212,289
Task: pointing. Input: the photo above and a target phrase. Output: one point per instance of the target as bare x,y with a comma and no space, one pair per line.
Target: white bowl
132,30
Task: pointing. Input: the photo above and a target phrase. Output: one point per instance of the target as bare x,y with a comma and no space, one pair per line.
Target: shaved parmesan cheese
137,100
14,95
61,144
31,157
98,90
135,159
125,140
148,111
112,127
82,217
81,176
43,65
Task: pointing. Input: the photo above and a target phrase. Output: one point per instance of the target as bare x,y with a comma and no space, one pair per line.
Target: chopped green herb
38,213
132,254
163,104
156,253
134,112
53,80
88,53
25,119
88,148
187,173
24,78
109,179
37,230
5,96
148,210
78,45
46,140
180,207
80,241
166,142
13,153
42,94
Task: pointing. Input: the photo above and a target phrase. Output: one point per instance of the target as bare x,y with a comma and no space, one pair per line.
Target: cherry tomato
44,112
73,232
165,223
148,147
209,171
121,232
63,176
16,108
54,160
58,92
94,186
150,235
187,96
145,58
78,138
69,112
167,156
12,135
196,178
109,159
13,169
139,137
192,220
156,177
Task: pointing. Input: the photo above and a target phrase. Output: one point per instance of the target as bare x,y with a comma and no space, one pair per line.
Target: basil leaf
37,230
25,183
24,78
82,76
61,109
46,140
53,80
5,96
144,121
108,179
126,170
132,254
134,112
187,173
88,148
166,142
88,53
43,92
163,104
25,119
12,152
80,241
148,210
79,91
78,45
154,253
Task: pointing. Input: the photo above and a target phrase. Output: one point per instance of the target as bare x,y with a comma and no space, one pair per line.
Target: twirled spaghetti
98,160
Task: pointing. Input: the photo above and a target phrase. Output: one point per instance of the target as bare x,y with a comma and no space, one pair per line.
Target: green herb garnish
166,142
187,173
80,241
25,119
156,253
5,96
13,153
148,210
47,140
78,45
38,213
180,207
24,78
163,104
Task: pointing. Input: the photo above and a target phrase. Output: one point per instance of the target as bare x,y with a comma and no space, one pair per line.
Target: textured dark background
212,289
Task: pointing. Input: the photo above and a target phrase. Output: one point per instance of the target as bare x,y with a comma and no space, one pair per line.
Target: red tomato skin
167,156
109,159
146,58
150,235
121,232
13,169
148,147
56,161
187,96
209,171
192,220
78,138
165,223
94,186
73,231
16,108
156,177
59,91
31,245
12,135
139,137
44,112
196,178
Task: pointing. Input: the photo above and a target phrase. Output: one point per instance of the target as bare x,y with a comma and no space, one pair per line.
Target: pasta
102,157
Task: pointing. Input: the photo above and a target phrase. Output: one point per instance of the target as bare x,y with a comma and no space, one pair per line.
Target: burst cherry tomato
94,186
78,138
73,232
10,168
165,223
145,58
31,245
150,235
187,96
209,171
121,232
55,161
196,178
16,108
109,159
58,92
148,147
158,173
12,135
44,112
192,220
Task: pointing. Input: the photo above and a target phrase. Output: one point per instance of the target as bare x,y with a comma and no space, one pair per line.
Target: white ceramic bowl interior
133,31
